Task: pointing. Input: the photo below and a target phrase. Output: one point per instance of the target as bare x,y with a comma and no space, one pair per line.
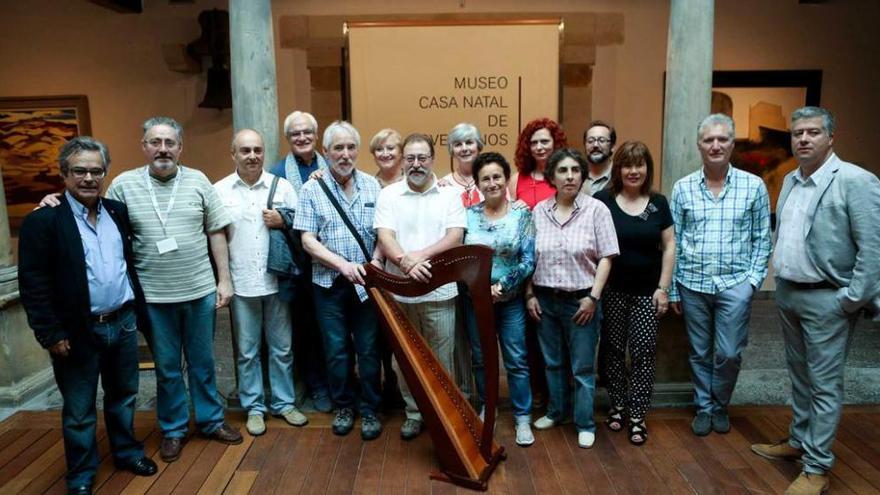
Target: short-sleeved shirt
184,274
316,214
513,239
637,270
420,219
248,235
567,254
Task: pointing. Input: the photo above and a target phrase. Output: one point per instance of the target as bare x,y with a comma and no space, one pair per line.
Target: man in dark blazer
827,264
84,303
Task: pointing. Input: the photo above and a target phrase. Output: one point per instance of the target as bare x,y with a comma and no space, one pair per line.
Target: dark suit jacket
52,273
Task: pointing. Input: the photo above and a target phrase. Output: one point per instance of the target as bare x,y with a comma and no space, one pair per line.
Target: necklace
467,184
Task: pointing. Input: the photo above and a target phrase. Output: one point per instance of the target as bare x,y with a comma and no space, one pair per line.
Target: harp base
481,483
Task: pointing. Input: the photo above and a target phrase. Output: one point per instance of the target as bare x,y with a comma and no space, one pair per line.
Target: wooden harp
464,446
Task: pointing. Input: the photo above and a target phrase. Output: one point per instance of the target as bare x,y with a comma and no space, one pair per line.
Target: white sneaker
586,439
255,425
524,436
544,423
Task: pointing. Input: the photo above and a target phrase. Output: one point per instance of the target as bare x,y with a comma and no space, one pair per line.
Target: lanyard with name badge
167,244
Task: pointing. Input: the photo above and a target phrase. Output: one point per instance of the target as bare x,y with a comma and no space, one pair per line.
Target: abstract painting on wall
32,131
760,104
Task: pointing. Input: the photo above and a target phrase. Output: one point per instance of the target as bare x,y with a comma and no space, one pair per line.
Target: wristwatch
593,298
664,289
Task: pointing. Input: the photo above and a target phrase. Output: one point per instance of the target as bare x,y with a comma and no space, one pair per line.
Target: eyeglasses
600,140
81,173
296,134
157,143
410,159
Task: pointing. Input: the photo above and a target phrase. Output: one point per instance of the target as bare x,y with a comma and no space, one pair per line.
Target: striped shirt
720,242
183,274
317,215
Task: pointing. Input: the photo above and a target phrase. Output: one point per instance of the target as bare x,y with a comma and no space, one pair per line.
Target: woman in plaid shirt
574,243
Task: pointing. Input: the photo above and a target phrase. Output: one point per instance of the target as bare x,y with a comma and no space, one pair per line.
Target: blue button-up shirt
106,270
720,242
317,215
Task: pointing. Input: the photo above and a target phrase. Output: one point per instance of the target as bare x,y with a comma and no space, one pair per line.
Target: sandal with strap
638,432
614,421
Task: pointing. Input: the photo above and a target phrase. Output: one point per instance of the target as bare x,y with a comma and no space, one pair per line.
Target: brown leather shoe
780,451
808,484
225,434
170,448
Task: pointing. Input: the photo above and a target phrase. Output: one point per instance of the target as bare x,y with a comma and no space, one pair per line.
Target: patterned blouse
513,239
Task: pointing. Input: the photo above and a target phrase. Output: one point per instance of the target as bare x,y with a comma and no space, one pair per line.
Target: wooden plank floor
312,460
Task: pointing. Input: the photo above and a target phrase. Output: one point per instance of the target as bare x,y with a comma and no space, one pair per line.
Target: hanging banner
428,77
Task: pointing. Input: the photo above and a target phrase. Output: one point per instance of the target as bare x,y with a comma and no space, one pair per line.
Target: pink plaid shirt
567,254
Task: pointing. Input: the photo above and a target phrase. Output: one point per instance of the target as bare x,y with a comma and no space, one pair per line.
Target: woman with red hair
537,141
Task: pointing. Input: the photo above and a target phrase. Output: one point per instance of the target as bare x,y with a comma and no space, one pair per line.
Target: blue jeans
185,328
566,344
718,330
343,318
112,353
254,316
510,322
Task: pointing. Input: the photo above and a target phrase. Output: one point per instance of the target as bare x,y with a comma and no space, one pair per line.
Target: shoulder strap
357,237
272,192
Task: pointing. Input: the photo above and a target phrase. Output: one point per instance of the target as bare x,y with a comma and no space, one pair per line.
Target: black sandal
614,421
637,429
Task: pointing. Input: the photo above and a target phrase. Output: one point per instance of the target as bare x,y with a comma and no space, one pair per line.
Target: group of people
587,259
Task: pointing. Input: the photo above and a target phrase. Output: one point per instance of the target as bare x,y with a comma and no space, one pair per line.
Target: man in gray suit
827,263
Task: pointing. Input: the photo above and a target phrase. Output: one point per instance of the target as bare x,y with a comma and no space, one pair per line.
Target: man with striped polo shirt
175,215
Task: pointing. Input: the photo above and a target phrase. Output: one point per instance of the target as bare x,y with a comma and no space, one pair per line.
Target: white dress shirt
790,259
248,236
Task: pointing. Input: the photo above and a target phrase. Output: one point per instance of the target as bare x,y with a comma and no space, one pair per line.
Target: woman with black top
638,287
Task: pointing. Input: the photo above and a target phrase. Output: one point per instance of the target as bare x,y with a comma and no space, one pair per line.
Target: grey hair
288,121
159,120
335,128
79,145
811,112
463,132
238,132
717,118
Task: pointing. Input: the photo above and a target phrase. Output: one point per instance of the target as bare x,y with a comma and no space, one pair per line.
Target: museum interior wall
130,66
59,47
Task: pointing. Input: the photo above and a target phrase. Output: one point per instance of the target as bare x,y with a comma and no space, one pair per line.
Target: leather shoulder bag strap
367,255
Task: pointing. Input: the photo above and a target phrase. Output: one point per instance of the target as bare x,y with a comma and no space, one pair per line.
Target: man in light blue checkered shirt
722,243
337,277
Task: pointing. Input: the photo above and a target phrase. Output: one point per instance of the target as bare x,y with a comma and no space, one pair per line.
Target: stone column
688,99
252,61
688,85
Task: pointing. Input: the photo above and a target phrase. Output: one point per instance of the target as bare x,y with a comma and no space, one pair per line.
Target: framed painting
32,131
760,103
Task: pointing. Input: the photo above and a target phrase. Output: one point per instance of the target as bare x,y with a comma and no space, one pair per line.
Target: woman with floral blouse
508,231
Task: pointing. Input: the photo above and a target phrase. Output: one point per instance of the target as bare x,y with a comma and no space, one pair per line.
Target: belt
112,315
565,294
810,285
